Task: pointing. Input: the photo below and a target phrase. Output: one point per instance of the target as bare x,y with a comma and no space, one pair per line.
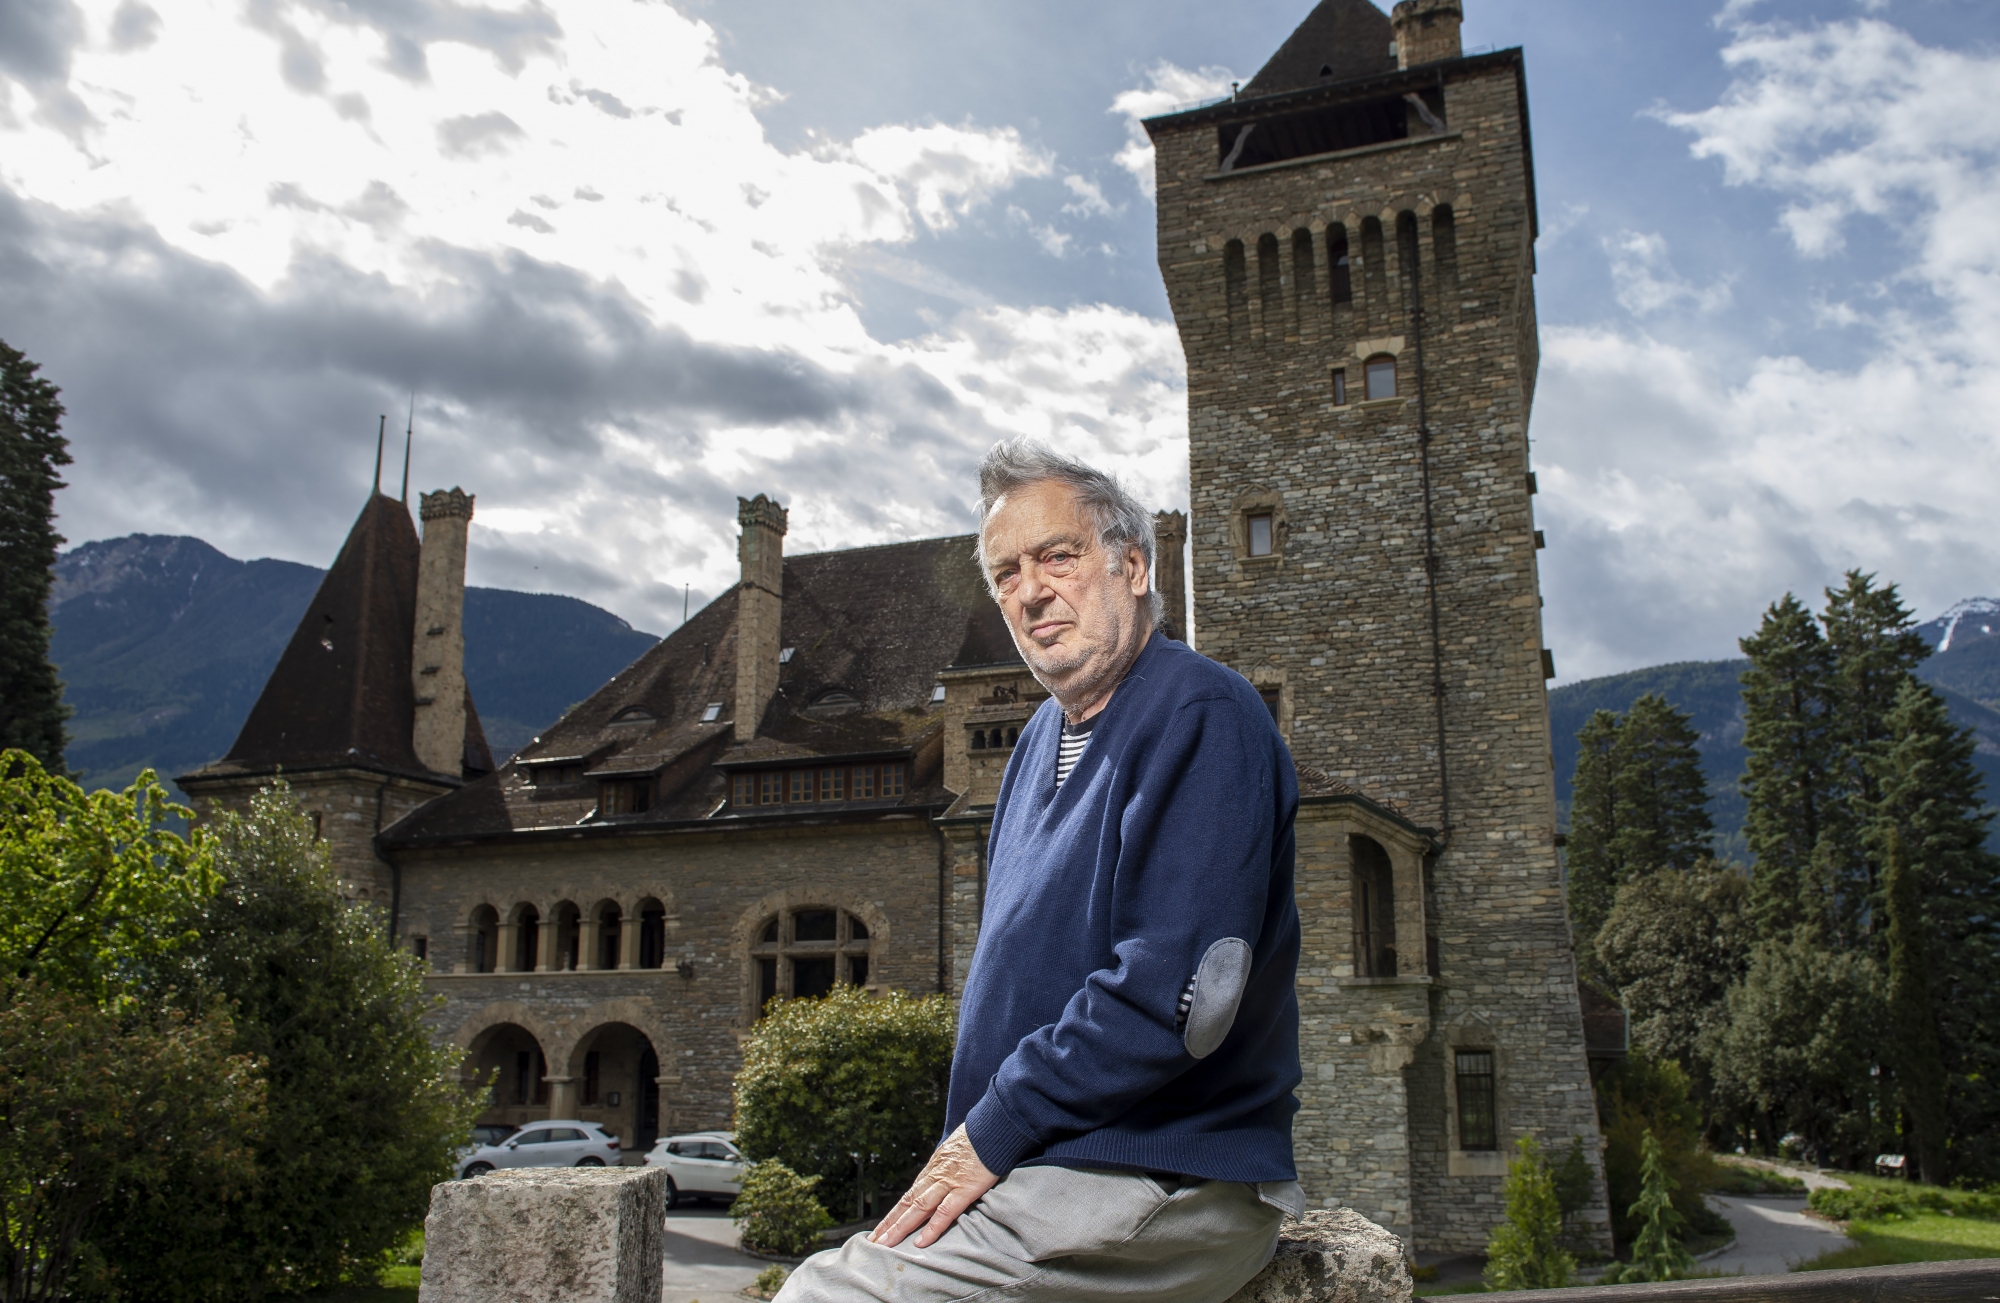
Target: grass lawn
1926,1237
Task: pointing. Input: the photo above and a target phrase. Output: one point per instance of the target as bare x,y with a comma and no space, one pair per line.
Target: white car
701,1165
560,1142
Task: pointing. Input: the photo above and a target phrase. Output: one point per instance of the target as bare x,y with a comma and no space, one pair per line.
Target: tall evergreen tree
1592,844
1931,809
1791,781
1663,818
1919,1062
31,447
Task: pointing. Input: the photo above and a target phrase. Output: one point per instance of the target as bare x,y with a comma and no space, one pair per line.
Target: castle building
1348,248
794,789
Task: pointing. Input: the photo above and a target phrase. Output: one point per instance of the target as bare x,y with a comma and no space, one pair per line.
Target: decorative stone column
628,942
562,1096
509,946
588,929
545,953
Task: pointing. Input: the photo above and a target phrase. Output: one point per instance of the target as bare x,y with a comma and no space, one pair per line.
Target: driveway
702,1261
1772,1235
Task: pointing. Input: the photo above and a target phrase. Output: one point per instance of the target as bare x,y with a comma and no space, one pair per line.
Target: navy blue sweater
1082,1018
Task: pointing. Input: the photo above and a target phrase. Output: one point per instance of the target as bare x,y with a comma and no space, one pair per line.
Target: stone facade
1365,549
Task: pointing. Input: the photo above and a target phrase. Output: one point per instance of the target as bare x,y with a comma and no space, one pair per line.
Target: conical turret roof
1340,40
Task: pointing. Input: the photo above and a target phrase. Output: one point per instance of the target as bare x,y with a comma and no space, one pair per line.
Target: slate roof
1340,40
341,693
872,624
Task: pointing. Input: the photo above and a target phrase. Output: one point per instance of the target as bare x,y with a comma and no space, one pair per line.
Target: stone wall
1339,615
716,888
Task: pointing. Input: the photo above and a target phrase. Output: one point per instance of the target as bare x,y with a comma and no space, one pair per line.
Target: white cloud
1686,485
1167,88
620,303
1089,201
1644,279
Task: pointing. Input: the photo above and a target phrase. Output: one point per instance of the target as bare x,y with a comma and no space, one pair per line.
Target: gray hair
1121,522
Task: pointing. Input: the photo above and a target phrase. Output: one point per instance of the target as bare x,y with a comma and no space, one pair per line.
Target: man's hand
949,1184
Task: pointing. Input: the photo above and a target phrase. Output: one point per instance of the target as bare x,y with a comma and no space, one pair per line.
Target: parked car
560,1142
700,1165
486,1133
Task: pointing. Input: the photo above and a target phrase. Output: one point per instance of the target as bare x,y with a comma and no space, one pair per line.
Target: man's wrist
1001,1142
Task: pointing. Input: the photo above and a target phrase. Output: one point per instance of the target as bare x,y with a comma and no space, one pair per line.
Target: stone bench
598,1235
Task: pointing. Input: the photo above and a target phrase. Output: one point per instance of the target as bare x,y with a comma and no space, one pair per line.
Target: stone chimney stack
437,662
1170,570
760,604
1426,31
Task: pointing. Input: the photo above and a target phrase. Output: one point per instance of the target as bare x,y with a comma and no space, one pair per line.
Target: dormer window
711,712
785,655
937,694
834,702
634,715
624,796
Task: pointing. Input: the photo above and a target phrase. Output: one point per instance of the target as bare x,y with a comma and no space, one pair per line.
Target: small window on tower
1381,377
1340,386
1477,1124
1260,534
1272,695
711,712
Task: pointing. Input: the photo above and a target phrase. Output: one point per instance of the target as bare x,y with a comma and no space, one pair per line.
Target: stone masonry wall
716,888
1338,615
349,806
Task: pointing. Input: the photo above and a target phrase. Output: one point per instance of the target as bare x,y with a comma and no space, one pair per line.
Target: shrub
776,1212
1642,1095
1525,1251
770,1280
824,1080
1657,1253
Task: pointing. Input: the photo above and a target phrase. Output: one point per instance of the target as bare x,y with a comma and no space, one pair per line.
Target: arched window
1339,271
1236,288
652,933
1305,278
1372,263
484,943
608,918
569,938
978,739
803,952
1381,377
527,938
1374,907
1270,280
1407,254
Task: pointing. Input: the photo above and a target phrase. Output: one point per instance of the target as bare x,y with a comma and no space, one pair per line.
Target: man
1119,1119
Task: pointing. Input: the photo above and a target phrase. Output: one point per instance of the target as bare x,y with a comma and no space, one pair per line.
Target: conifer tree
1594,870
31,447
1525,1250
1657,1254
1791,781
1919,1064
1663,818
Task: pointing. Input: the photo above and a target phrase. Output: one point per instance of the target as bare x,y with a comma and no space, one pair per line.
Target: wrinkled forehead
1033,515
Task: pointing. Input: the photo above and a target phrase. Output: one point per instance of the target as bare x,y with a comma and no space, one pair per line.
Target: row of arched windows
604,938
994,739
1334,291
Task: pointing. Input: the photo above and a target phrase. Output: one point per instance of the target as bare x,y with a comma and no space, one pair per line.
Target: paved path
702,1261
1772,1235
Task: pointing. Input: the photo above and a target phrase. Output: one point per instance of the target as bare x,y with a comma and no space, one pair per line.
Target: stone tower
438,652
760,606
1348,247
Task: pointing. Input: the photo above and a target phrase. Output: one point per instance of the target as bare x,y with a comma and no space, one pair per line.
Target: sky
619,263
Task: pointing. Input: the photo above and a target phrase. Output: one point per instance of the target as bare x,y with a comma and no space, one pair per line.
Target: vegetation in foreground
1900,1221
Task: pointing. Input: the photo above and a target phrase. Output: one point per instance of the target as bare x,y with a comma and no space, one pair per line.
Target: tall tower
438,650
1348,246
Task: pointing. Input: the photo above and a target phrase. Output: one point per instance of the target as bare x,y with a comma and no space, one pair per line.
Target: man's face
1077,615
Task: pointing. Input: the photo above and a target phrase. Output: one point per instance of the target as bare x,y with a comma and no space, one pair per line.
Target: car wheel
590,1160
673,1194
477,1169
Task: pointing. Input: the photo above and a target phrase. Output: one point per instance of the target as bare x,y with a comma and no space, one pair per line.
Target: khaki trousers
1070,1234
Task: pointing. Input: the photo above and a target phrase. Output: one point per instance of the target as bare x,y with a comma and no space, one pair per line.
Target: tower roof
341,693
1340,40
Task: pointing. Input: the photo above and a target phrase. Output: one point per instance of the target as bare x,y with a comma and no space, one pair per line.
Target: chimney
1426,31
437,662
1170,571
760,602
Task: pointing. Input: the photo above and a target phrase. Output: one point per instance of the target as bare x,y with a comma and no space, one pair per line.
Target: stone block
547,1235
1332,1255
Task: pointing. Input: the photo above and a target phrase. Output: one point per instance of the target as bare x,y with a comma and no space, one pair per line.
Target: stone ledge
547,1235
1332,1255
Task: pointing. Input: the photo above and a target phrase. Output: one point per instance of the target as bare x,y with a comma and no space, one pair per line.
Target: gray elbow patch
1216,991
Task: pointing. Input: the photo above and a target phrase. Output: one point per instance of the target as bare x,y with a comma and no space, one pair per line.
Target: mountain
163,644
1964,667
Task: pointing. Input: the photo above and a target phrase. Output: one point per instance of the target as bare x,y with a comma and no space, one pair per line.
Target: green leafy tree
1799,1048
92,883
1919,1062
1672,946
98,1104
364,1109
1575,1185
1657,1253
847,1088
1643,1096
31,448
1640,805
777,1210
1792,778
1525,1250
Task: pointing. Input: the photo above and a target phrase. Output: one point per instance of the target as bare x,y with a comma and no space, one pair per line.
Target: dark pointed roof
1340,40
869,629
341,693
